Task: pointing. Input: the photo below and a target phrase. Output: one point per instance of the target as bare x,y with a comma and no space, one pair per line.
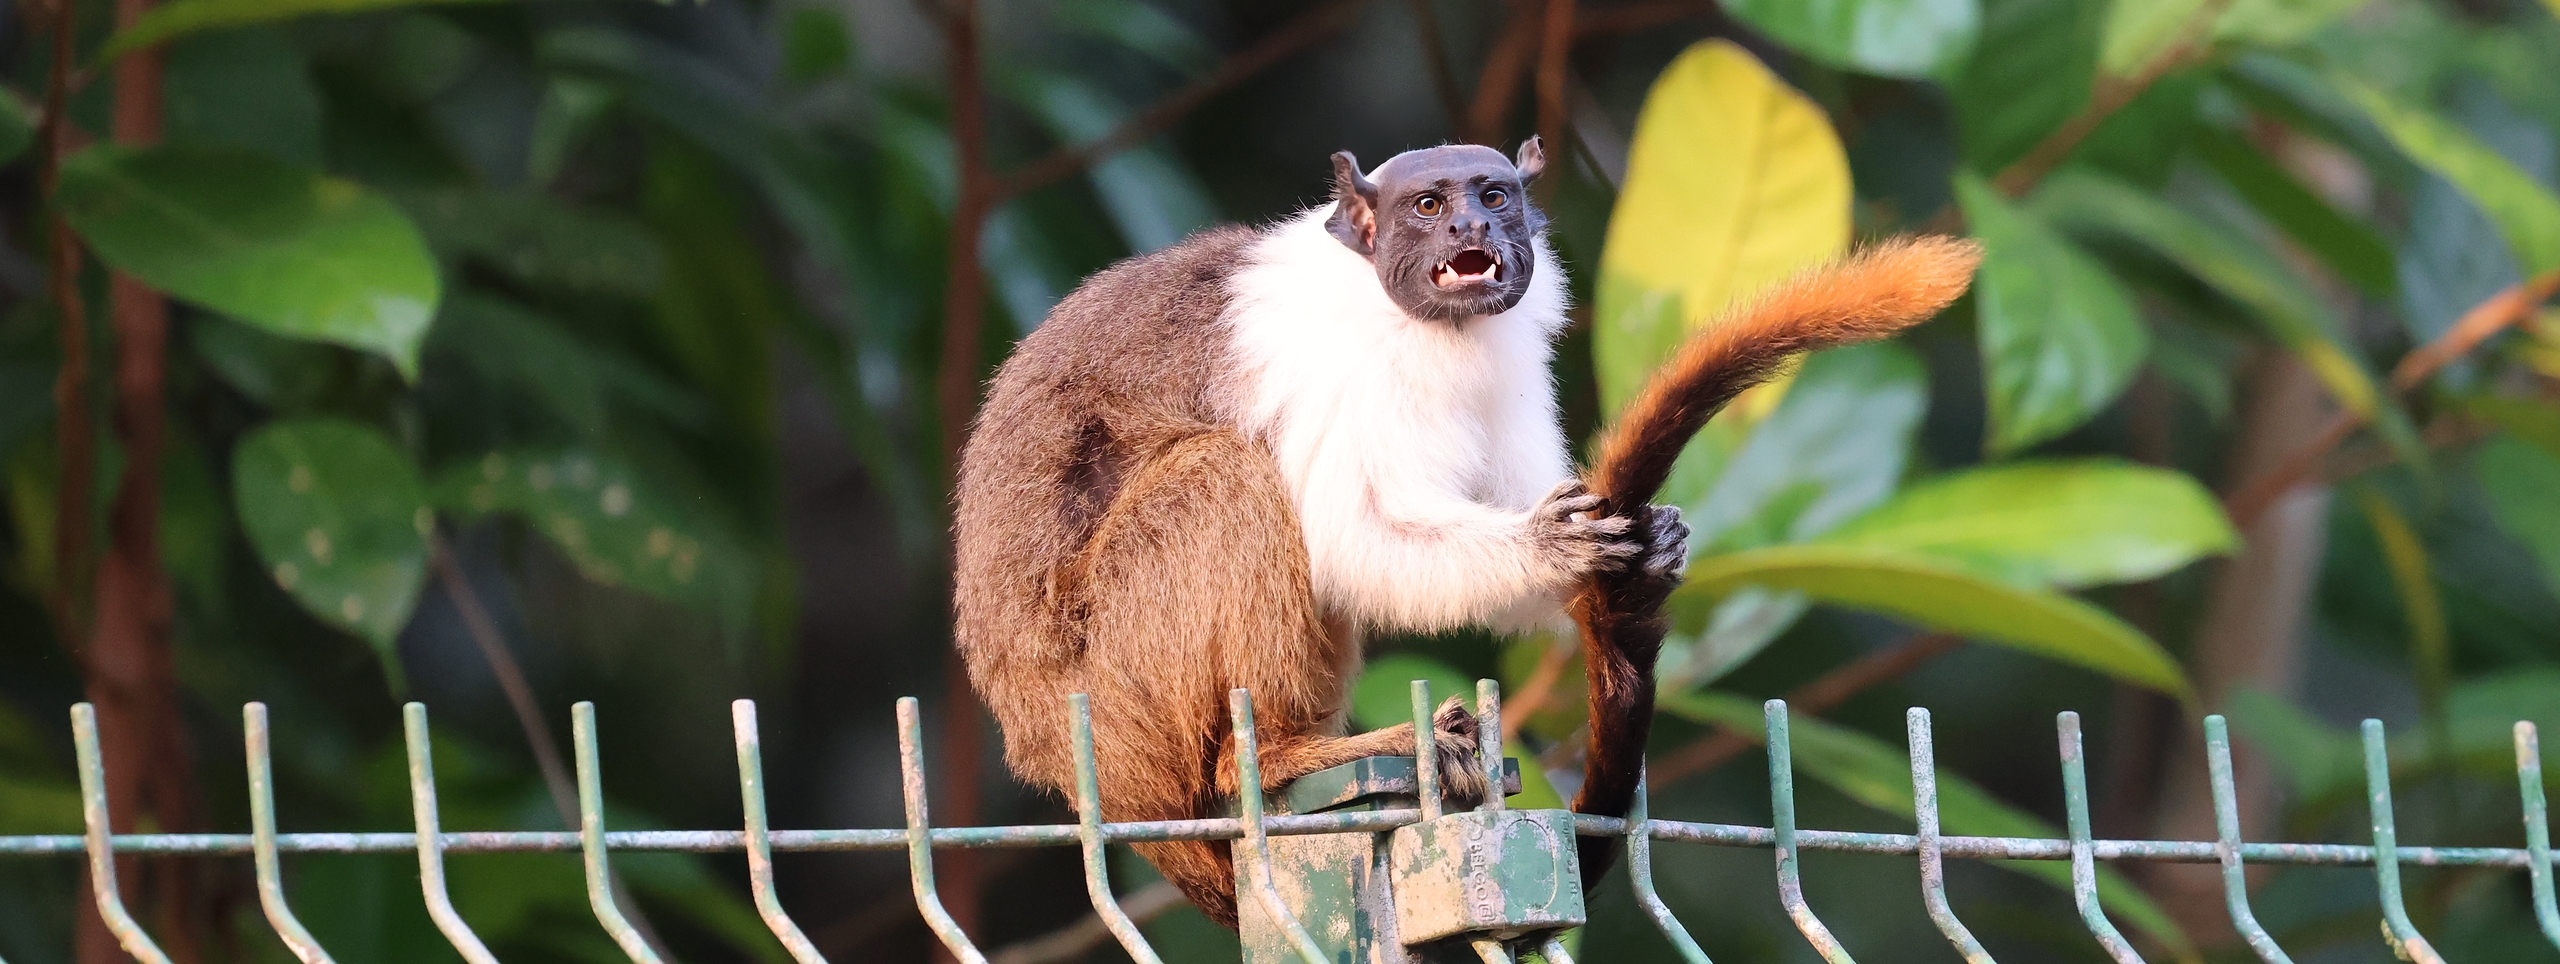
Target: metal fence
1267,877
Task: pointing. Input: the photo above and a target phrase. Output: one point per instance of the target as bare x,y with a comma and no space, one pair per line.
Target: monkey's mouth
1471,266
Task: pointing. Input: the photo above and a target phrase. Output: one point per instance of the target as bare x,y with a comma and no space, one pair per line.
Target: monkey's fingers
1668,556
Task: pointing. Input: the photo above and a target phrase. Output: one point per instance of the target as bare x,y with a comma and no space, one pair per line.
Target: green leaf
2141,31
2060,338
181,17
338,516
1734,630
2430,642
2031,72
511,345
249,88
1941,596
1895,38
288,250
2533,422
2523,484
2095,205
2346,245
1734,181
2276,23
2069,524
1877,774
1143,28
603,515
1148,190
541,240
19,118
2526,212
1835,445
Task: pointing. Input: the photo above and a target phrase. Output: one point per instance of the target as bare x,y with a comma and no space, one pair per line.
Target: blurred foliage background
503,354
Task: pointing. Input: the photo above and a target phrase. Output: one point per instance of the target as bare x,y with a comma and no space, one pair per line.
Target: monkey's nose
1468,227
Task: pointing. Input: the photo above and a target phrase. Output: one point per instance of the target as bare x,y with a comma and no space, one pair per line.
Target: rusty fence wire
1253,829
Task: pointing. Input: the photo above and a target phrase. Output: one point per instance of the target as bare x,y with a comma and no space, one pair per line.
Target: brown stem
1074,941
2108,96
1065,162
537,731
2305,461
1554,54
132,675
511,681
1821,695
1435,60
963,300
1498,84
1538,688
74,447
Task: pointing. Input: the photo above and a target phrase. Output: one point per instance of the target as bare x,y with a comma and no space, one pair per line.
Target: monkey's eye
1428,206
1496,198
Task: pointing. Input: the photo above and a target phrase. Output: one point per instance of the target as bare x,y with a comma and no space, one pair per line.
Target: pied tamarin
1222,464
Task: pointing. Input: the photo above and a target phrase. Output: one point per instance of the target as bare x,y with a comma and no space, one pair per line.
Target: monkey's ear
1355,206
1532,159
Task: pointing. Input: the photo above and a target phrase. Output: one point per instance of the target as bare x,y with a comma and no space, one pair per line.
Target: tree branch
1554,53
2107,96
1074,941
2304,462
1065,162
1821,695
1498,84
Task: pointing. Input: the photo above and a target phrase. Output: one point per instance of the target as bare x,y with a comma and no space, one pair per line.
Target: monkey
1228,462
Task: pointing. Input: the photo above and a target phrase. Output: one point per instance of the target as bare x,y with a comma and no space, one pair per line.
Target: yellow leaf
1734,181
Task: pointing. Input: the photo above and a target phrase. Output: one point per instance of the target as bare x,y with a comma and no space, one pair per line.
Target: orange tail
1869,295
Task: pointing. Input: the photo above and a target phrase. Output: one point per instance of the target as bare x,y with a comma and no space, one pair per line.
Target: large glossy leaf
181,17
540,240
340,519
1733,181
2060,338
2523,484
2141,31
2413,577
1943,596
1896,38
288,250
1878,774
2526,211
2098,206
2346,245
2030,72
2276,23
1835,445
2321,760
603,515
2068,524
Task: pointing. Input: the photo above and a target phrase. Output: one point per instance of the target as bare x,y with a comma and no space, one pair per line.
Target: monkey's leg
1199,559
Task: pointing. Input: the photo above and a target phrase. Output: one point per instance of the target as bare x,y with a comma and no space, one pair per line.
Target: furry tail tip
1873,293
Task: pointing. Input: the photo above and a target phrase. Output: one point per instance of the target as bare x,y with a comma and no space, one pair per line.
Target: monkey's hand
1666,554
1577,541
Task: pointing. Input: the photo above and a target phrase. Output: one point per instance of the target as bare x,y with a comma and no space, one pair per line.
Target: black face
1448,228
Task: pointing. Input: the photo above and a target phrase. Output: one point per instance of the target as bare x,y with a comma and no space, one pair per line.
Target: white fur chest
1396,436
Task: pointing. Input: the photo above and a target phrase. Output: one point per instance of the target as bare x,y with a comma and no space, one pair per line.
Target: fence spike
1256,836
2537,829
1426,752
102,860
2084,863
582,725
920,837
1489,740
1552,949
1640,876
1490,951
262,841
759,843
2404,936
2226,842
1097,869
1933,868
422,812
1782,823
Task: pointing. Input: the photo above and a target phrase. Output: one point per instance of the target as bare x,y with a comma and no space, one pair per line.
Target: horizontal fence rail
1253,828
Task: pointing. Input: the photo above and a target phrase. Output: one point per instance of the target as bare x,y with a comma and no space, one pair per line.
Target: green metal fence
1284,885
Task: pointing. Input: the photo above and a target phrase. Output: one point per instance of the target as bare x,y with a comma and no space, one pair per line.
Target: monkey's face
1448,228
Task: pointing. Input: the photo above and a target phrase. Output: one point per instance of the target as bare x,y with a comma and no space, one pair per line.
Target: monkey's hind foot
1455,748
